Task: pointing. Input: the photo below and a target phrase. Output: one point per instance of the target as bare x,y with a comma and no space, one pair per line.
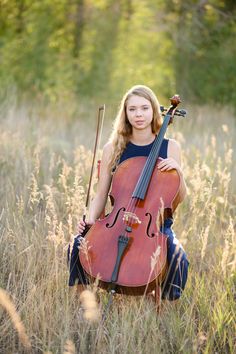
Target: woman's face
139,112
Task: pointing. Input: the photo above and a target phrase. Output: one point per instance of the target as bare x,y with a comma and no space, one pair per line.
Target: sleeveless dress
177,273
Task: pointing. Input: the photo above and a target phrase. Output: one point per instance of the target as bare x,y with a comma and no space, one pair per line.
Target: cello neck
144,179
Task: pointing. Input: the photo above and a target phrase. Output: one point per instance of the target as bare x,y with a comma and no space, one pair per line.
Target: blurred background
74,51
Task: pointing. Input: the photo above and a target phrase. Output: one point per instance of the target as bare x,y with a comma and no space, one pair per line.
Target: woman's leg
177,273
77,275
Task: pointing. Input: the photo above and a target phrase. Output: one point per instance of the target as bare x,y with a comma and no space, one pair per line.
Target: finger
80,228
165,161
166,168
161,164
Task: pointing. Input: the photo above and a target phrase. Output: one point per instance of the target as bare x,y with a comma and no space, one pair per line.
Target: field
45,159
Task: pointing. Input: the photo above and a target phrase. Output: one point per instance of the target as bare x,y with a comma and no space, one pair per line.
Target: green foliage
86,48
205,53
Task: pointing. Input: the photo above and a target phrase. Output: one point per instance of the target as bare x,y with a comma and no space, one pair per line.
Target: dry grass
44,166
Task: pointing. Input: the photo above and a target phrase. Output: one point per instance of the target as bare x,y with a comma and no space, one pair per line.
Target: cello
126,250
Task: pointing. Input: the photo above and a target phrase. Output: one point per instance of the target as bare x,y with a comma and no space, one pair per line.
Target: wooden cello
126,249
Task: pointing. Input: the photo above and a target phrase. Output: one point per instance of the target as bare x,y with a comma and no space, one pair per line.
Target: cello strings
148,168
133,203
150,162
153,153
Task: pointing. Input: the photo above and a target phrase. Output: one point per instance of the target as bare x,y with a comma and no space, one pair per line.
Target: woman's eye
131,109
145,108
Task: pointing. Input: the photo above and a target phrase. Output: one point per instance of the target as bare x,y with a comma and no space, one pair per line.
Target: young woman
135,128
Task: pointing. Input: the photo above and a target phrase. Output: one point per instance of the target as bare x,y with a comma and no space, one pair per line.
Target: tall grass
44,168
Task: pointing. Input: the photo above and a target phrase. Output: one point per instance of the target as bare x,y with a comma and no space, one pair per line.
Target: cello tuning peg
182,112
162,109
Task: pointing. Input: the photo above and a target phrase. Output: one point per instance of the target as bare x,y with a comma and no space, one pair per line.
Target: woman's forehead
135,100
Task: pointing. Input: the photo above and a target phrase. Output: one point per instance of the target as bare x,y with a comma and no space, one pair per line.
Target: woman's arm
173,161
98,203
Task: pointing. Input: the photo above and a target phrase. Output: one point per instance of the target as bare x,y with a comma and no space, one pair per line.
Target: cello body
143,262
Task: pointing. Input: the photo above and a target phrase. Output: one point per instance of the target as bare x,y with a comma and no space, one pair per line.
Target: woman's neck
142,137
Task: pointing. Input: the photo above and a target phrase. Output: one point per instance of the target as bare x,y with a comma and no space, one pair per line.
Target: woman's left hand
169,164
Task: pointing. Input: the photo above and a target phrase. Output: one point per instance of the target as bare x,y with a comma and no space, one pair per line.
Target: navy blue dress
177,273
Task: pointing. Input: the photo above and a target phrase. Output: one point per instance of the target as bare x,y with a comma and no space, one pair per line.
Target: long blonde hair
122,129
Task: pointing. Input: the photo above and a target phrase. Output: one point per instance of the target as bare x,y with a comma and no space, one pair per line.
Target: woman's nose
138,113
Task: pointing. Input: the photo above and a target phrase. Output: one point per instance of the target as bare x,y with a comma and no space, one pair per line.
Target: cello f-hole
149,224
116,217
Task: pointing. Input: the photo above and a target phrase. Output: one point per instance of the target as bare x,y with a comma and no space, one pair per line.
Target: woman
136,126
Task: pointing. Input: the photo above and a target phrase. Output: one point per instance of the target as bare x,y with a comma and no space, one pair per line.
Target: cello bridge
131,218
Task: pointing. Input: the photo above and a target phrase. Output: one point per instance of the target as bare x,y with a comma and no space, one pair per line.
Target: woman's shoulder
173,143
108,147
173,147
107,150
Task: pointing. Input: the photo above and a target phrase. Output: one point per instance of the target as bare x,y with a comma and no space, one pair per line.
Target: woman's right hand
82,224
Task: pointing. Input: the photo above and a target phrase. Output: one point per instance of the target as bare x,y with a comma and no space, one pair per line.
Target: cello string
147,176
133,203
150,162
153,154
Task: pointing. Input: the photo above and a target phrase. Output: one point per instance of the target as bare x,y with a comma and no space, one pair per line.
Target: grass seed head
90,306
8,305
